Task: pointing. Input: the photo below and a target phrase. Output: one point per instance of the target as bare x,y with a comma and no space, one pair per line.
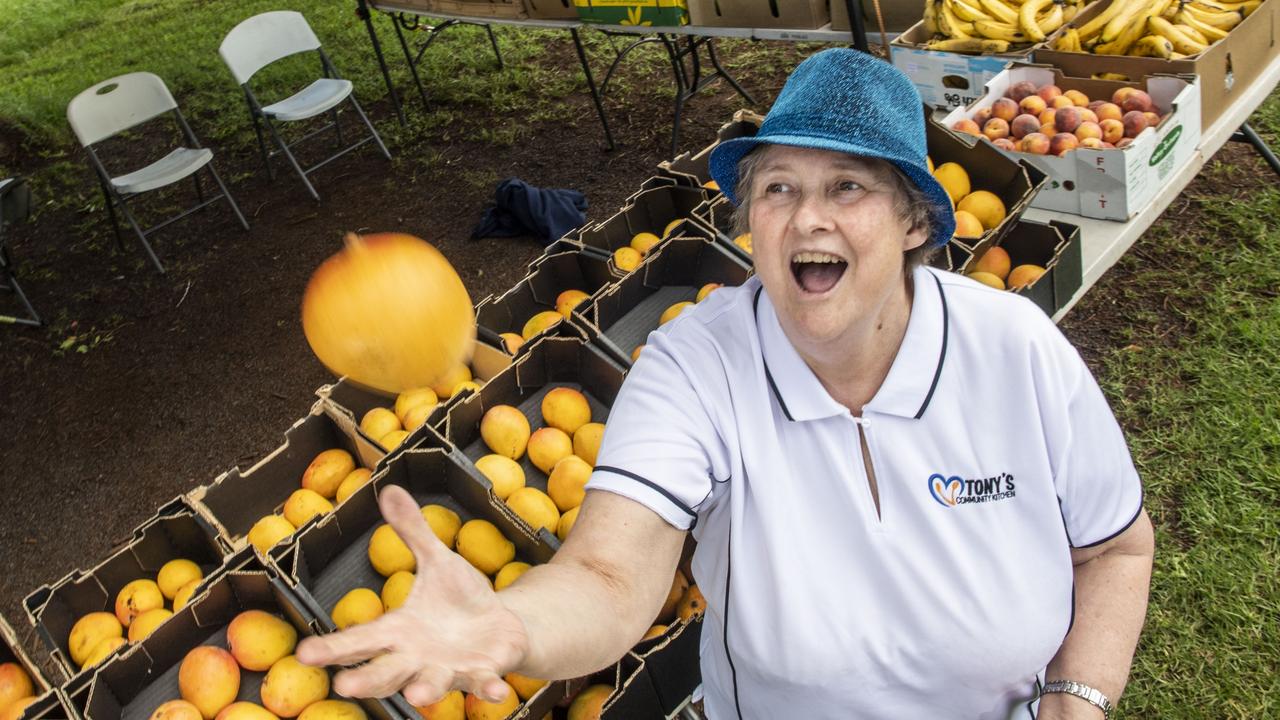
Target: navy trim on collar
941,356
755,310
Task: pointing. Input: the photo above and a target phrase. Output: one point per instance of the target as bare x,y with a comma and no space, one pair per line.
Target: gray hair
912,205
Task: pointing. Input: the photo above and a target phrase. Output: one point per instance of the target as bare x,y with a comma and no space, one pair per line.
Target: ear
918,235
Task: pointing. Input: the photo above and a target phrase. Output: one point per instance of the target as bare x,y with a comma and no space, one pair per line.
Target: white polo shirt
994,453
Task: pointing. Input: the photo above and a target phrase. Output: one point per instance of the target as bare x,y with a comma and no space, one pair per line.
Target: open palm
451,633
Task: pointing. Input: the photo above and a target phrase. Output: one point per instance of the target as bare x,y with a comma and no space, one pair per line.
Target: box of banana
961,44
1226,43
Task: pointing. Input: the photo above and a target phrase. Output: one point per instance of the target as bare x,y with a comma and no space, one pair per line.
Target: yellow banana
1111,76
1068,41
931,18
1052,20
967,12
1181,41
1094,26
1243,8
1212,34
1000,11
1069,13
1128,16
1191,32
1136,28
952,26
1000,31
969,45
1223,20
1152,46
1027,18
1177,55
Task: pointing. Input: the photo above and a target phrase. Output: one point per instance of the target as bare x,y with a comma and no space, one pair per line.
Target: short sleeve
660,446
1097,485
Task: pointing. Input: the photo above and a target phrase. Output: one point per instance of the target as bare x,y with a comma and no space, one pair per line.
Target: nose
812,214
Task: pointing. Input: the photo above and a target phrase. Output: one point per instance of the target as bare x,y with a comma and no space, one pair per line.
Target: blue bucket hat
850,102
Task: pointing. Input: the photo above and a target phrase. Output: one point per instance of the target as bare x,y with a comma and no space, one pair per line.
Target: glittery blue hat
850,102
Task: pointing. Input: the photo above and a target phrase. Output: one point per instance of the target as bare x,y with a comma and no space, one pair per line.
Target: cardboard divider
694,170
1109,184
551,362
1226,69
716,216
1054,246
649,210
795,14
237,499
11,651
50,704
629,310
548,276
633,694
330,559
673,662
947,79
175,531
132,685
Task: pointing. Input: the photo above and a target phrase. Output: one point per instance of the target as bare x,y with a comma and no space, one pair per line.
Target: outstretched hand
451,633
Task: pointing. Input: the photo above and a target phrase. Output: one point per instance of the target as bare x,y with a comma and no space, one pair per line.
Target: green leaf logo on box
1166,146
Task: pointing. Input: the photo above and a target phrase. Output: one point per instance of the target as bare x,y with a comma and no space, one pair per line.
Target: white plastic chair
263,39
115,105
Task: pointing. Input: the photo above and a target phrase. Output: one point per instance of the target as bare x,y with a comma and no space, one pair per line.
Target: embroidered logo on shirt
955,490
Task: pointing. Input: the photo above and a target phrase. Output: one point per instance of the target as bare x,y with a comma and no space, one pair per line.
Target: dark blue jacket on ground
522,209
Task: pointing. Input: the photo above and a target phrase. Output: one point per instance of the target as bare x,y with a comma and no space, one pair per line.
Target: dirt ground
204,368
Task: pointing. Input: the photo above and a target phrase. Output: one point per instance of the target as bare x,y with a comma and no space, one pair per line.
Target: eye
846,186
774,188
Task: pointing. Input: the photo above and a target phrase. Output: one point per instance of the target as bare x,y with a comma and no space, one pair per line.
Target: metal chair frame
15,206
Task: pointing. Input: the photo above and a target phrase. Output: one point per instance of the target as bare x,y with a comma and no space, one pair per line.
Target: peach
1033,104
1089,130
1036,143
1068,119
1087,115
1093,104
1061,101
1153,119
1124,143
1024,125
1112,130
209,678
1108,111
1108,146
1136,100
1091,142
1134,123
1047,117
982,116
967,126
1005,144
1049,130
1077,97
1063,143
996,128
1005,109
1049,92
1118,96
1020,90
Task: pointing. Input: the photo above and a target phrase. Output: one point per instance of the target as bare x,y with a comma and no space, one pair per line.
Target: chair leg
195,179
227,194
336,127
11,280
292,160
493,40
111,212
262,147
376,138
124,206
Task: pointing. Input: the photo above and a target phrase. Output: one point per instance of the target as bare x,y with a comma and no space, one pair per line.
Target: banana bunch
1167,29
993,26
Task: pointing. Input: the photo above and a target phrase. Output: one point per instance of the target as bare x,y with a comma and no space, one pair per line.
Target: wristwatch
1082,691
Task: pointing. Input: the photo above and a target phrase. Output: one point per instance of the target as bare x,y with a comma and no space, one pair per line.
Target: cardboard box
628,311
716,216
176,531
550,9
695,170
1054,246
351,401
11,651
944,79
549,275
551,362
633,696
657,13
800,14
130,686
237,499
1107,184
673,662
649,210
331,558
899,15
1225,70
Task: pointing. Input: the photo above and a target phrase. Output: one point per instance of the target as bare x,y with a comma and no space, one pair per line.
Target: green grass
1203,419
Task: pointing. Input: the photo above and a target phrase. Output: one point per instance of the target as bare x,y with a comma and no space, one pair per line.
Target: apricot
679,585
566,524
245,711
1090,130
568,481
15,683
257,639
967,126
460,373
709,288
305,504
589,704
396,590
511,342
995,261
1068,119
627,258
505,430
89,631
268,531
644,242
1024,125
1005,108
1020,90
444,523
570,299
209,678
586,441
653,632
177,710
542,321
415,397
333,710
967,225
1024,275
954,179
1036,143
1063,143
673,312
1048,130
547,446
1134,123
479,709
566,409
376,423
509,574
103,650
16,708
525,687
449,707
359,606
482,544
290,687
986,206
1108,111
357,478
146,623
176,573
136,598
535,508
987,279
1112,130
388,554
1078,98
1033,104
692,604
504,474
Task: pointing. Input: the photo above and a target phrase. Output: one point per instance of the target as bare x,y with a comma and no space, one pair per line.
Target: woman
909,495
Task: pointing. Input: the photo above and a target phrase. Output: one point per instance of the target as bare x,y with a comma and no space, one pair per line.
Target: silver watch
1082,691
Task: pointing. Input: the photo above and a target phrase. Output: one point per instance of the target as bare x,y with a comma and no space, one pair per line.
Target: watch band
1082,691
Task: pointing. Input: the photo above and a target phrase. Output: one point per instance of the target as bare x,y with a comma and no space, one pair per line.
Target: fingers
381,677
429,687
401,511
486,684
353,645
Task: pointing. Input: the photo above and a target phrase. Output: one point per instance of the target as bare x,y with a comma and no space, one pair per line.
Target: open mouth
817,272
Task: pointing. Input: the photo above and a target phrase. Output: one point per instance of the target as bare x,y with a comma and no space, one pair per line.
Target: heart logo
945,490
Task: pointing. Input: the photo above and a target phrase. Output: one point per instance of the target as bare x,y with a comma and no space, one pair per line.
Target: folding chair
263,39
115,105
15,206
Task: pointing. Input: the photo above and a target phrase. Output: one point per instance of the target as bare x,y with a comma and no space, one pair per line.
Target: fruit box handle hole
955,82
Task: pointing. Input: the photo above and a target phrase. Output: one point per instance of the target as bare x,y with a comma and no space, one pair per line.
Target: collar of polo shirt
912,379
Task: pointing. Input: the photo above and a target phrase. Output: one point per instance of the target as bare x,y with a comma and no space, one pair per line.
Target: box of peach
1107,146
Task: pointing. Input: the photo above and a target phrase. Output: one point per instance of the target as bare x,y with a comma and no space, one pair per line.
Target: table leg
1247,134
858,28
411,61
362,10
591,85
